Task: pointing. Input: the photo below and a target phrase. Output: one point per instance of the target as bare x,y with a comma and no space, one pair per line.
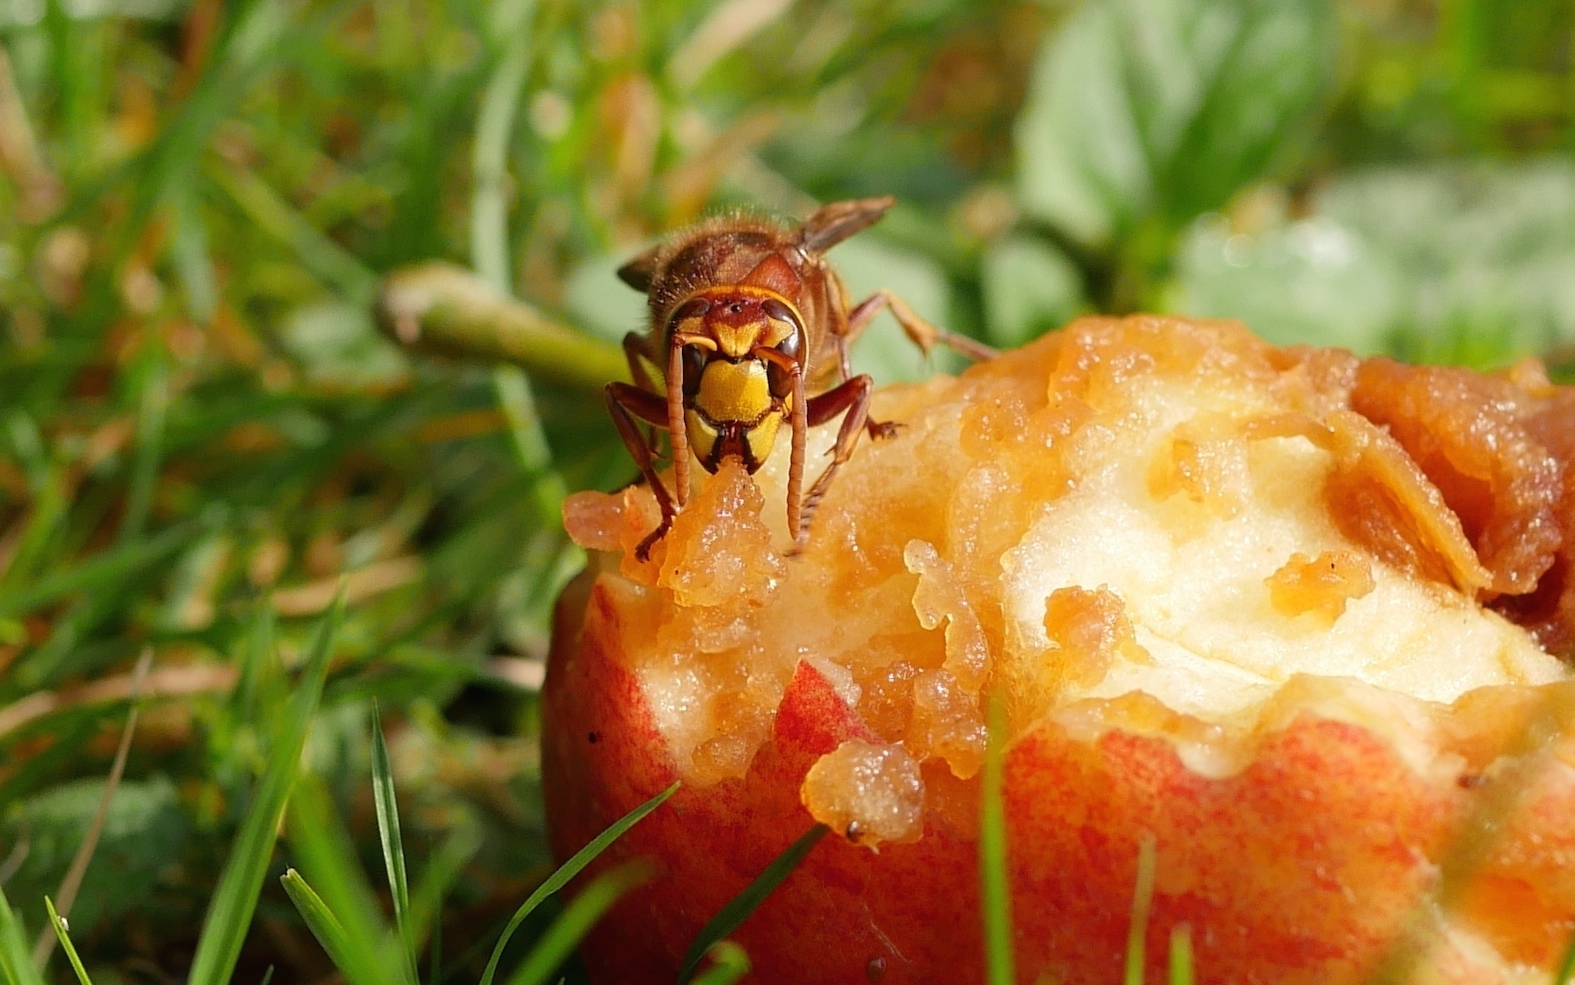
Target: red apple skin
1304,867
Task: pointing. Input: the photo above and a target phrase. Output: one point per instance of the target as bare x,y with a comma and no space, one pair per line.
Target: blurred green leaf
1164,108
251,46
600,302
1479,246
500,100
1312,281
150,439
144,835
1470,263
338,344
1030,287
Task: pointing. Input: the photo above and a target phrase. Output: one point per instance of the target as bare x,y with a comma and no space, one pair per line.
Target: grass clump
210,453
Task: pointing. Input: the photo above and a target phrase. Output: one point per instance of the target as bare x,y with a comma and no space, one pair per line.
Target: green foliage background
199,424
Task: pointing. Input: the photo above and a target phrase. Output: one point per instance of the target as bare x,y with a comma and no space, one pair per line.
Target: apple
1290,615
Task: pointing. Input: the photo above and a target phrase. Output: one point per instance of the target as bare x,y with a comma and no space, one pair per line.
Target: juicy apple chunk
1238,600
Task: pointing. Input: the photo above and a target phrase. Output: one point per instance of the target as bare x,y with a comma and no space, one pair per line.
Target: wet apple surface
1295,616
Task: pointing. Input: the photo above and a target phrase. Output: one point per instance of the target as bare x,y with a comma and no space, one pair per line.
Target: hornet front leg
851,398
629,406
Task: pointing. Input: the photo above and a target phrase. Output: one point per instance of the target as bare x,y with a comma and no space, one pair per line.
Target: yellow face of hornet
738,341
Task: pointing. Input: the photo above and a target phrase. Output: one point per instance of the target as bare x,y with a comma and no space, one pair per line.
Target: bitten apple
1296,617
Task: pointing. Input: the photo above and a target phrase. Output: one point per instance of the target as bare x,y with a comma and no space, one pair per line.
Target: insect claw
642,552
883,430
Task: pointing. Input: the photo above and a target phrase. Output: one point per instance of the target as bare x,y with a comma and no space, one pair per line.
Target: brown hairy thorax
733,250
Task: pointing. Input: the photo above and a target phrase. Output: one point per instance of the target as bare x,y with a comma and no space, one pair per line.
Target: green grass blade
738,909
71,884
995,889
1142,899
371,953
16,964
577,919
150,446
189,253
443,870
253,43
318,254
105,568
518,403
435,955
259,662
388,835
320,920
729,963
235,899
72,70
43,525
569,870
489,210
1181,955
1566,973
64,933
489,246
